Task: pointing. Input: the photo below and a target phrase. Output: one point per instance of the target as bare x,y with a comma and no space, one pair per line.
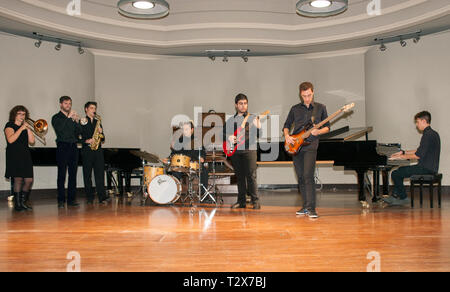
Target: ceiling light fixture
403,42
320,3
58,47
80,50
153,9
226,54
321,8
143,5
38,44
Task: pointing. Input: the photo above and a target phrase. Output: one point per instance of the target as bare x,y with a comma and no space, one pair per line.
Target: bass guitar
300,138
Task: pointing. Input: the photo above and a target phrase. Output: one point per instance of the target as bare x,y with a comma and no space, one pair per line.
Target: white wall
138,98
36,78
400,82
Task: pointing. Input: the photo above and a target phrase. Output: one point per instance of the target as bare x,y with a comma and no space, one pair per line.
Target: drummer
185,146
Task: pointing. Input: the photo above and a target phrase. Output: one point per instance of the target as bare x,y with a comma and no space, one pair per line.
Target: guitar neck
248,116
319,125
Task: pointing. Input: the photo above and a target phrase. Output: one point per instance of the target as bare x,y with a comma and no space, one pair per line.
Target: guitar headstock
264,113
348,107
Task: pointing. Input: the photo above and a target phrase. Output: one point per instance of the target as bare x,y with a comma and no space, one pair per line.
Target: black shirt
87,132
251,132
300,116
67,131
429,150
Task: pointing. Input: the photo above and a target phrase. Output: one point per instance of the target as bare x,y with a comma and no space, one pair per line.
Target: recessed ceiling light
145,9
143,5
320,3
321,8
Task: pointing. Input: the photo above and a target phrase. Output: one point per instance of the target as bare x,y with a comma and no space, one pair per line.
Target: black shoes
309,213
25,201
73,204
256,206
302,212
18,202
312,214
238,206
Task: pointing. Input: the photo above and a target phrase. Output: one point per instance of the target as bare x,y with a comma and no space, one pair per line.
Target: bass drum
164,189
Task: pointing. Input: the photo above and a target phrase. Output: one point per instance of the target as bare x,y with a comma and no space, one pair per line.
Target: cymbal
151,158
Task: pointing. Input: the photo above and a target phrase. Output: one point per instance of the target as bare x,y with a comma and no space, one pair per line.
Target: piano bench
429,180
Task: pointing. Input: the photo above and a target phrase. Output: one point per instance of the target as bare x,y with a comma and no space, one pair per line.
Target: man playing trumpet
67,128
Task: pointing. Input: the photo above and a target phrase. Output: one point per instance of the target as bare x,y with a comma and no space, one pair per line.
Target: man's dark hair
423,116
240,97
305,86
64,98
89,103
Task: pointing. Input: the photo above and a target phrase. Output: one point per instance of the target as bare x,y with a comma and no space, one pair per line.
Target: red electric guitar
229,148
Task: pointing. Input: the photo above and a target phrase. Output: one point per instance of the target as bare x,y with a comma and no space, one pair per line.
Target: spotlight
213,58
38,44
383,47
245,58
416,39
80,50
58,47
403,43
225,59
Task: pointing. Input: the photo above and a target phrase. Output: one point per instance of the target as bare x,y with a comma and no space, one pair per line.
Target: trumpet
39,128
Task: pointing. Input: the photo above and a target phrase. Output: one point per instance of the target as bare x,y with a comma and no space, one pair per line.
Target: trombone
39,129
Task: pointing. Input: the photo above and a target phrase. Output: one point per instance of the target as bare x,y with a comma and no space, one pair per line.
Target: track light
245,58
416,39
225,59
403,42
58,47
383,47
38,44
80,50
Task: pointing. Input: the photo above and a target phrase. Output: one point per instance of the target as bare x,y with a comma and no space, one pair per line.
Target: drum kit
161,185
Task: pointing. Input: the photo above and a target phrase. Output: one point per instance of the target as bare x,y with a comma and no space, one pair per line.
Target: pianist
427,154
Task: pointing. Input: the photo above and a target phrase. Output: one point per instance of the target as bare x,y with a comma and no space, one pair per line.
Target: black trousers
67,161
244,164
94,161
406,172
305,166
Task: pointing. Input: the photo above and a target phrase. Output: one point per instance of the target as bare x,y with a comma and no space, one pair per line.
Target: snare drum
151,171
164,189
180,163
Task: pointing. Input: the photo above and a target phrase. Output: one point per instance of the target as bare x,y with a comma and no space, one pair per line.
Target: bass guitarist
244,159
300,116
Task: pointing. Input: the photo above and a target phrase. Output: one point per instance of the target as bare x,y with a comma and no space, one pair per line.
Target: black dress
18,156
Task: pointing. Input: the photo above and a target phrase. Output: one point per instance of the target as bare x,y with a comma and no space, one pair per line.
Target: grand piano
119,160
340,148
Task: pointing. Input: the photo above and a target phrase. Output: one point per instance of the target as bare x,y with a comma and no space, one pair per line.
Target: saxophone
97,137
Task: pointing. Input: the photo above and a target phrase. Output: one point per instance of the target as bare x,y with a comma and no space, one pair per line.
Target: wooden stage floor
120,237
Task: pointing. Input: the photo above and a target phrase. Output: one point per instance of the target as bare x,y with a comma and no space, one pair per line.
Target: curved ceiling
266,27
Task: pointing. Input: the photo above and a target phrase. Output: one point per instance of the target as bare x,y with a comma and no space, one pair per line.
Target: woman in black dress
19,166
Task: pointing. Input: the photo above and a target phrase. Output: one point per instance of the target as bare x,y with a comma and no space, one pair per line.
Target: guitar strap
314,113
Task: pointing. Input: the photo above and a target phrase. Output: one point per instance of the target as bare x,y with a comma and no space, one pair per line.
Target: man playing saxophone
92,154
